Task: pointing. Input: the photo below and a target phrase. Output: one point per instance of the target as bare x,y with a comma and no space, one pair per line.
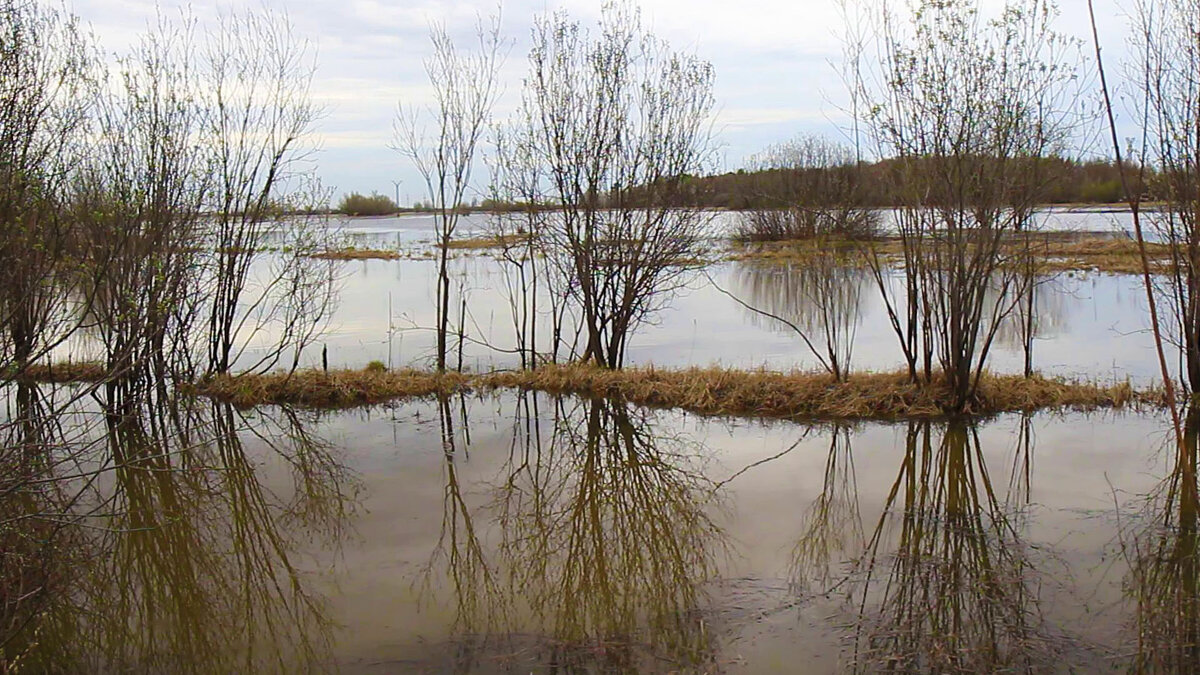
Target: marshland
916,397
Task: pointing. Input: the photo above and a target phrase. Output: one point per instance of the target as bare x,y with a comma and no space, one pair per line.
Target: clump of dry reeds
357,254
64,372
332,389
707,391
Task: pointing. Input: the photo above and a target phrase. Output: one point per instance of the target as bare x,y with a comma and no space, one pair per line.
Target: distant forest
1059,180
874,184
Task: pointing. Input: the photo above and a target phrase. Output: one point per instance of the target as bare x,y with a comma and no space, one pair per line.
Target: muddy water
588,535
524,533
532,534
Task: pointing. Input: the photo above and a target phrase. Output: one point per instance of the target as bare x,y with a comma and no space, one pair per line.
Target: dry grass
62,373
1054,251
1104,254
798,395
489,241
357,254
333,389
803,250
709,391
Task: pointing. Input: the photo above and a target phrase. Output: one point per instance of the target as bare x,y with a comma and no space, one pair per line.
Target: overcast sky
776,64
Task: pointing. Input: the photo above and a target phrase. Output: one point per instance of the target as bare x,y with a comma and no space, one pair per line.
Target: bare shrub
618,121
465,88
814,188
962,102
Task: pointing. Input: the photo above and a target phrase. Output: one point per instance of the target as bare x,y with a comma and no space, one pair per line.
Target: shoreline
718,392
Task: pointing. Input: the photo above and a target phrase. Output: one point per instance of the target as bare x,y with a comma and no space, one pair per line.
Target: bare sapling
619,121
259,113
442,140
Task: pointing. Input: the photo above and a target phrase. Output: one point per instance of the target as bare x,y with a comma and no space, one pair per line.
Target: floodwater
520,532
1090,325
524,533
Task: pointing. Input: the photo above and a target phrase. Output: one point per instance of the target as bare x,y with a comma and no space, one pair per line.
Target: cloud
774,61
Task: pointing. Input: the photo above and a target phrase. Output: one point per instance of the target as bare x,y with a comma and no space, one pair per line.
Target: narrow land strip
707,391
1052,251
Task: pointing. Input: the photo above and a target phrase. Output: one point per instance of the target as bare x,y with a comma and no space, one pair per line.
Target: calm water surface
523,533
1089,325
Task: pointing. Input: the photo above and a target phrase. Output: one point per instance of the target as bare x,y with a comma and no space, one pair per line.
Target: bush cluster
375,204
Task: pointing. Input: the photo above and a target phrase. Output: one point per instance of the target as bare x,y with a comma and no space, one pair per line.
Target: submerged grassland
705,391
1051,251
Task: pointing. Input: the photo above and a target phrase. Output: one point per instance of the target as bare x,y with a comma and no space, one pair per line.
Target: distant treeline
868,184
884,183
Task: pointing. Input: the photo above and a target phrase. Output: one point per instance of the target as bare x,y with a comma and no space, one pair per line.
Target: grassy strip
62,373
709,391
1054,252
335,389
489,241
357,254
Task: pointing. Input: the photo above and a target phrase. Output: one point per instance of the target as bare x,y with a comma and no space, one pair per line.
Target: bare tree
465,88
619,122
1133,197
964,104
257,75
1168,57
46,77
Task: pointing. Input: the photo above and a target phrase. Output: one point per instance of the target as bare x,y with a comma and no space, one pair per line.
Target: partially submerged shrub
355,204
814,188
801,222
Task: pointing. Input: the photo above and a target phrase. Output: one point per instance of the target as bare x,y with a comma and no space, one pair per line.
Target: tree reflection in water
188,559
591,552
832,526
945,581
1164,577
822,297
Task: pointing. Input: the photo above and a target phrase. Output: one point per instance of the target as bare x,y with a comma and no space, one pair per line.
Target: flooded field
521,532
525,533
1090,324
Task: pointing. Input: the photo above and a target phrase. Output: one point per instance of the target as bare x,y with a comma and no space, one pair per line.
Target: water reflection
832,526
821,297
1039,313
38,550
1164,575
945,581
590,551
189,559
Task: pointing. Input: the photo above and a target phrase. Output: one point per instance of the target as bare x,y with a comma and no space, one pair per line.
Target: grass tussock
707,391
62,373
357,254
333,389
